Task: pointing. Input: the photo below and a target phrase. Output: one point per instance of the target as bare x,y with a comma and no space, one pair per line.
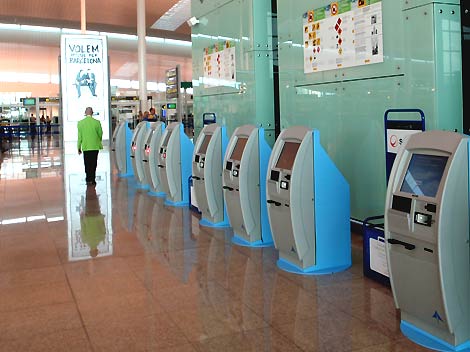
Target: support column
142,53
83,16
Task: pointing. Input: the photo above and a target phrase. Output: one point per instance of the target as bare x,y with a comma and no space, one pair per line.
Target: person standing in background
152,116
48,124
89,142
32,127
146,116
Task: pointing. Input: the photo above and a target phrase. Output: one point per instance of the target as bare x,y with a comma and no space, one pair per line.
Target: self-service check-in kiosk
244,183
174,162
152,141
121,145
308,205
208,156
427,239
137,151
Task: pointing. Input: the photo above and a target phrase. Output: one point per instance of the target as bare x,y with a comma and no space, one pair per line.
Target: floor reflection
26,159
113,269
89,211
90,238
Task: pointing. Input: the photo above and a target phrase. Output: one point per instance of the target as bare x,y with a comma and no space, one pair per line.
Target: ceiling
102,15
37,52
123,64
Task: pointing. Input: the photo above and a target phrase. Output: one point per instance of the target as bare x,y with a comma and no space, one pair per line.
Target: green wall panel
421,69
247,23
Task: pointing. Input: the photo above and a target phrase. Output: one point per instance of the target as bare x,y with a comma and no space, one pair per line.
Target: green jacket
93,229
89,134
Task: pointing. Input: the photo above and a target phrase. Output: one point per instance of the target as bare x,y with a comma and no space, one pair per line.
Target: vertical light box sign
85,81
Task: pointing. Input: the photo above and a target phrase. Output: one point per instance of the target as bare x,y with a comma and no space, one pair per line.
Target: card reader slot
196,178
161,166
401,204
277,204
228,188
407,246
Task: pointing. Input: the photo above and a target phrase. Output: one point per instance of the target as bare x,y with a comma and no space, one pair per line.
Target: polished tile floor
117,270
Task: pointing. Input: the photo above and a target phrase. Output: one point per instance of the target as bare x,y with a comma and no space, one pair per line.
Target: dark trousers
90,159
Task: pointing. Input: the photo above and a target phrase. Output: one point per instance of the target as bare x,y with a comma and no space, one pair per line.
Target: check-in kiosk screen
205,143
424,174
149,139
287,157
167,137
239,148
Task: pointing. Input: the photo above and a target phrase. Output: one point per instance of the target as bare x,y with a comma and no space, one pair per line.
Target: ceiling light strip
174,17
130,37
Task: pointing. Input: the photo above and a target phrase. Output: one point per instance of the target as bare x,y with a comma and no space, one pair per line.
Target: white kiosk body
152,142
207,175
174,161
116,145
244,183
120,147
137,151
308,205
427,239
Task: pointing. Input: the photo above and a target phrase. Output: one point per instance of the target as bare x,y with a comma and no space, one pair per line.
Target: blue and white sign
84,81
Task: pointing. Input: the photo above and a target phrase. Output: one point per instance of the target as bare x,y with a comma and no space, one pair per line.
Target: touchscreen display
239,148
167,137
424,174
287,156
205,143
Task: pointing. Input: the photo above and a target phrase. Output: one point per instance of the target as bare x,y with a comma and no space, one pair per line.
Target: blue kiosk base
242,242
219,225
141,186
156,194
176,204
125,175
313,270
427,340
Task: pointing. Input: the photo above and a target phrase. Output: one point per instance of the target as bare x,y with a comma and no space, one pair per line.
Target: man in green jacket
89,142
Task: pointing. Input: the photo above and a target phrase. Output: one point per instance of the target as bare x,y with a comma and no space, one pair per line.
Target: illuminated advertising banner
84,81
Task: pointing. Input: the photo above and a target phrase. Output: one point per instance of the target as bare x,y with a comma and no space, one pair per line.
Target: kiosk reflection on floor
152,141
427,233
207,175
244,178
121,149
137,152
308,205
174,161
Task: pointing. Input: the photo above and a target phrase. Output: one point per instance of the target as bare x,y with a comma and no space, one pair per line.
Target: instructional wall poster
219,65
84,81
342,34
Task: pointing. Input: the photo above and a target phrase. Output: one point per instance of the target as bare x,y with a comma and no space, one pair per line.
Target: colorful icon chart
219,65
343,34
